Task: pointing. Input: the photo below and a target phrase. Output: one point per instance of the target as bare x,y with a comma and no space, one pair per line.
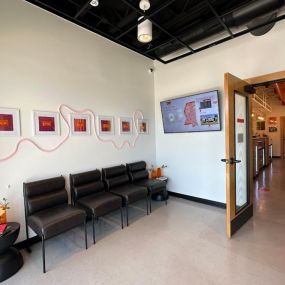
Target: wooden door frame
266,77
282,125
236,220
253,80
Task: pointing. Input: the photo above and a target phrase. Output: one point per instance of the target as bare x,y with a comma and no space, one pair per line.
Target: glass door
239,168
242,143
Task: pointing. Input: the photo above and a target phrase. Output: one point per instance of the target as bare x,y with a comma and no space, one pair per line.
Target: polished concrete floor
182,243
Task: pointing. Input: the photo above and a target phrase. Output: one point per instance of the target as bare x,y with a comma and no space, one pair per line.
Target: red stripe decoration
240,120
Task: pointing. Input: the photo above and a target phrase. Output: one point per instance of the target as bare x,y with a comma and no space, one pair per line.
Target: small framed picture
106,125
10,122
80,124
126,125
142,126
46,123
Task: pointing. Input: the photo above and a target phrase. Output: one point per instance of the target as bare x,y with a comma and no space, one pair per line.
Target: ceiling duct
260,20
254,13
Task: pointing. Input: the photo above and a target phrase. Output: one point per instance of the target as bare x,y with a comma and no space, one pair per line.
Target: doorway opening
255,144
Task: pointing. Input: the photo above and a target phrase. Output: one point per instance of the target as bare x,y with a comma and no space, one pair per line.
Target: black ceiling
177,24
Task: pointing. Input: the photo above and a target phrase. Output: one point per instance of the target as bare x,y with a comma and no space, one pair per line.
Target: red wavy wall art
137,114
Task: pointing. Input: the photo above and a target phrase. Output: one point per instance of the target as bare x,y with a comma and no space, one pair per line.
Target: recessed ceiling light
94,3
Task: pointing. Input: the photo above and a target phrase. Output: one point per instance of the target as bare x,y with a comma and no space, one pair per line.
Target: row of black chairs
93,195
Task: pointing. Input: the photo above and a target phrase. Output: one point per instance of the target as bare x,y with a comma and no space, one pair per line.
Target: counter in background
262,154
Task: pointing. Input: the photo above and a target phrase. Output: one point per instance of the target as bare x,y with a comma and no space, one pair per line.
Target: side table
11,259
161,196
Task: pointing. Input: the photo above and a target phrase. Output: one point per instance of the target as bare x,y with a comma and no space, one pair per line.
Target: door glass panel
241,151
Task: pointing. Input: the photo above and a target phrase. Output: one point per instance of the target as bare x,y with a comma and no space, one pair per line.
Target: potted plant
4,206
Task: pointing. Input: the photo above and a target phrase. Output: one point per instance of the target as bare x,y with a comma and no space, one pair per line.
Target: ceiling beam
82,9
157,25
219,18
51,9
238,34
159,46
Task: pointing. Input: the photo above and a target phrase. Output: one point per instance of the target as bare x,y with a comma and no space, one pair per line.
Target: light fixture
144,5
94,3
145,31
145,27
260,118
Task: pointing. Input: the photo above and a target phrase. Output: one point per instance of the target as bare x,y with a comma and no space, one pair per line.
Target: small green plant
4,204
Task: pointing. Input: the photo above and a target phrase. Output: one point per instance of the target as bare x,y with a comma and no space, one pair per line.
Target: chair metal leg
85,229
147,205
127,212
93,225
150,203
43,253
122,220
165,196
28,240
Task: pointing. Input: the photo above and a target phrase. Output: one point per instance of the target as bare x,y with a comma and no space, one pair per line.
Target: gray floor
183,243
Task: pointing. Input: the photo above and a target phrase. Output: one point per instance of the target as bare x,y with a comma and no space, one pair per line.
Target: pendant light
94,3
145,27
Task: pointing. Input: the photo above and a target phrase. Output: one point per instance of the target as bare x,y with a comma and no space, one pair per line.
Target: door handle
231,160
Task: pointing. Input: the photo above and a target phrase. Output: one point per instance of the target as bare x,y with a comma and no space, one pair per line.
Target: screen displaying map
195,113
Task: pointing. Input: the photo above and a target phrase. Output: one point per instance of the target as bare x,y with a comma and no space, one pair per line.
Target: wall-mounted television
193,113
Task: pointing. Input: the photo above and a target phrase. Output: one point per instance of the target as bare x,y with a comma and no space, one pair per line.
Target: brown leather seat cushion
100,204
55,220
130,193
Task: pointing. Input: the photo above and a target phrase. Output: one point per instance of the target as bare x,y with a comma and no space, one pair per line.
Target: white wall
193,159
46,61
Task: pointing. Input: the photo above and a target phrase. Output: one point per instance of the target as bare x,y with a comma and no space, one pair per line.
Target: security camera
151,70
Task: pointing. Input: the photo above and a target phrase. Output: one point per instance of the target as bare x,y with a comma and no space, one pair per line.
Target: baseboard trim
24,243
198,200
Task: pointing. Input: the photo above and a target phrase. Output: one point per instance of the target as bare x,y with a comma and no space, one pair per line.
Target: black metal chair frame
74,203
43,238
97,218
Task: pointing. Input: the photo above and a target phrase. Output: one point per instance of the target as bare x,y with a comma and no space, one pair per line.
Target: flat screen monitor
194,113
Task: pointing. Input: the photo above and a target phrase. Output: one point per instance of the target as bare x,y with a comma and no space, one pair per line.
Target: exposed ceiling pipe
235,19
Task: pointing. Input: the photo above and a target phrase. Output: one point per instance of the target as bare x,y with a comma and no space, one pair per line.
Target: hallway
263,236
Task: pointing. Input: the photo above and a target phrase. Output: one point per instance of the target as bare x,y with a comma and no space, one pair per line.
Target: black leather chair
139,176
88,192
118,183
47,211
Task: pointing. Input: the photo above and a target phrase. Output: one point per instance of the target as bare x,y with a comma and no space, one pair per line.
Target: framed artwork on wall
80,124
46,123
9,122
126,125
272,120
106,125
143,127
272,129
